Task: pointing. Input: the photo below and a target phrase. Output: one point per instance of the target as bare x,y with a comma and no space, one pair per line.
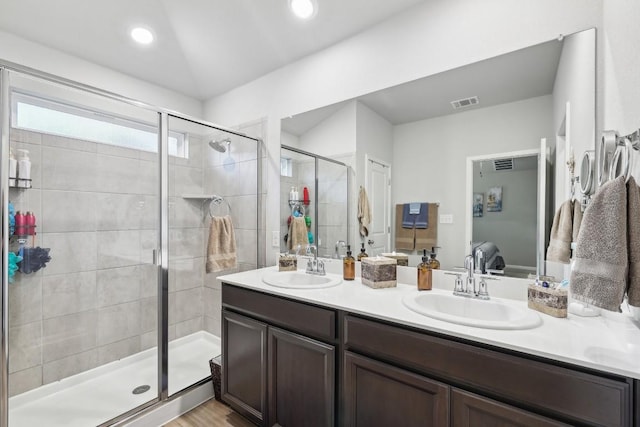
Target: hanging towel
422,220
428,237
364,212
599,274
408,220
577,220
405,237
633,242
221,248
559,249
298,234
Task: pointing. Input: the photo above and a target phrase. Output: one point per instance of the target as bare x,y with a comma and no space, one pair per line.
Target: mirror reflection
540,99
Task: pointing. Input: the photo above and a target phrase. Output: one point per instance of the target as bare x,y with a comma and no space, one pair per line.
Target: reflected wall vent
465,102
502,164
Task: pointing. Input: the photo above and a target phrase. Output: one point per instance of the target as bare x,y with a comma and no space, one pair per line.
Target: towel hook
621,161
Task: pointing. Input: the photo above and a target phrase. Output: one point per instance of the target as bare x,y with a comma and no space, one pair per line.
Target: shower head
220,145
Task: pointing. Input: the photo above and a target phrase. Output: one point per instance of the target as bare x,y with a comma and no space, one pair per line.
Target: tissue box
402,259
379,272
548,301
287,263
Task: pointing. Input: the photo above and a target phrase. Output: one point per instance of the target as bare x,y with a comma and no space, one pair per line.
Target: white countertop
608,343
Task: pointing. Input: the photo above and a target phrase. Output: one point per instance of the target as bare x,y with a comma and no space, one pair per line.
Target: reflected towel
298,234
408,220
221,248
426,238
405,237
577,220
599,274
364,212
559,249
422,220
633,242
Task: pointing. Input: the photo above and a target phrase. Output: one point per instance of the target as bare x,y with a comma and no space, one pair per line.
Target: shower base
100,394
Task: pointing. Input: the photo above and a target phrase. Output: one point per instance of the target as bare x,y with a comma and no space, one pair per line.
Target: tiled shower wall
97,209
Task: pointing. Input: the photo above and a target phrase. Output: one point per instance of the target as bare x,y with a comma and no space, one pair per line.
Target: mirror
425,130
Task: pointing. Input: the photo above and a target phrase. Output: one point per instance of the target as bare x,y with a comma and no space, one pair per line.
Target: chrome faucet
314,266
468,288
339,243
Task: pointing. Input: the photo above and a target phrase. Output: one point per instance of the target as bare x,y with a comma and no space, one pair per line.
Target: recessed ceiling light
142,35
303,9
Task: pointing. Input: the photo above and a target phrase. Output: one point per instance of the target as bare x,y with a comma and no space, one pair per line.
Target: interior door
379,193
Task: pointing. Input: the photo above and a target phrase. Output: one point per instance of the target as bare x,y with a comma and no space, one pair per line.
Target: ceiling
515,76
203,47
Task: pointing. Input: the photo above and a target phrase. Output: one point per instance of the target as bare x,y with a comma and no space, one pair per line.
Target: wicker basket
216,376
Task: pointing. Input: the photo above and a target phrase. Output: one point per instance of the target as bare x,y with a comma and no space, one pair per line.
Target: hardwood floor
210,413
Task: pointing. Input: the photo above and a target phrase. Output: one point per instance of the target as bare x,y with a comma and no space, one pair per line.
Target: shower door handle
155,257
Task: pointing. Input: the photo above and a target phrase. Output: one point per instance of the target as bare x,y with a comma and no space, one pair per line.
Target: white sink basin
491,314
300,280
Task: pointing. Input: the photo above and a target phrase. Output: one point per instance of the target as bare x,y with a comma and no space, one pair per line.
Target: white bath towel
221,248
364,212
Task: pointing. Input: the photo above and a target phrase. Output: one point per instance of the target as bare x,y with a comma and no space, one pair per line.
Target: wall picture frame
478,205
494,199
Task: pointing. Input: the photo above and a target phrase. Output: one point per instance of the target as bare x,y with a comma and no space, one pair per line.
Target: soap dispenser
13,169
433,262
349,266
362,253
424,273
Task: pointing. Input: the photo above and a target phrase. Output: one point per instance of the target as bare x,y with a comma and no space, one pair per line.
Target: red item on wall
20,224
30,224
305,193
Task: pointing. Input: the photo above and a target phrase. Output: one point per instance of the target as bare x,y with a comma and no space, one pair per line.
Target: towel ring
621,161
608,144
297,207
216,201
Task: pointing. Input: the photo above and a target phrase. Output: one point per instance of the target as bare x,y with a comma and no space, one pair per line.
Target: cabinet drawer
304,318
471,410
550,389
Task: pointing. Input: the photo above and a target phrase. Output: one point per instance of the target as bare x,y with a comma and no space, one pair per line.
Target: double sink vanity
302,349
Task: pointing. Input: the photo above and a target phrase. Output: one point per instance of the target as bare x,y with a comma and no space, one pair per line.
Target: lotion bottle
349,266
425,281
433,262
13,169
362,253
24,169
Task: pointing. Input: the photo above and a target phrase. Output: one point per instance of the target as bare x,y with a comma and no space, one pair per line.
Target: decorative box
402,259
379,272
287,263
548,301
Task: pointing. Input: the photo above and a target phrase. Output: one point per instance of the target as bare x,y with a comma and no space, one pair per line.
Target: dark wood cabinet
301,378
244,350
378,394
471,410
290,363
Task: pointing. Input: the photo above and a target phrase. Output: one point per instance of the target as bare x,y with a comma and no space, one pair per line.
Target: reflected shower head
220,145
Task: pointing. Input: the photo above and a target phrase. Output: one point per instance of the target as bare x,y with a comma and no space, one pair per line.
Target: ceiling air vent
466,102
503,165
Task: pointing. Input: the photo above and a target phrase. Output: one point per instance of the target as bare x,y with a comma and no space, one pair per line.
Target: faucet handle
483,292
320,267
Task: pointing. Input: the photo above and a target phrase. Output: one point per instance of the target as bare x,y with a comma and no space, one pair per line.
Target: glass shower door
213,223
83,301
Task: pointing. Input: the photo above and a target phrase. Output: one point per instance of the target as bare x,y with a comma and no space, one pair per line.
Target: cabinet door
244,364
468,409
377,394
301,380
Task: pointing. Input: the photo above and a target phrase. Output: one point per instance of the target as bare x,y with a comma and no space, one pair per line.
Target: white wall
336,135
574,85
620,61
432,155
425,40
374,138
42,58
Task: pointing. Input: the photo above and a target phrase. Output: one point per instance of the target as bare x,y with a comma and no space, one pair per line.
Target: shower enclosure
327,183
110,310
